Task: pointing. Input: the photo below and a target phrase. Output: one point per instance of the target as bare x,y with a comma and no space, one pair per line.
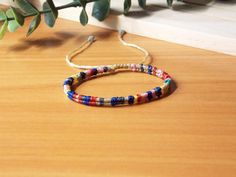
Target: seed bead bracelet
148,96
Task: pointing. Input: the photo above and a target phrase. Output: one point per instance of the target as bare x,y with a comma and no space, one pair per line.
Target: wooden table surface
192,132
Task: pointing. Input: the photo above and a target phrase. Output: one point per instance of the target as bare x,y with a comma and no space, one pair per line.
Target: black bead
158,91
105,69
121,100
101,100
150,69
149,95
142,69
83,75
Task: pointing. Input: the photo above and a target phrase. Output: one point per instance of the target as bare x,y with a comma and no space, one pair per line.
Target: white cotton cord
79,50
92,39
146,53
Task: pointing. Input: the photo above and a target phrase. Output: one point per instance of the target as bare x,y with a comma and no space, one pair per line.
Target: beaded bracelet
94,71
150,95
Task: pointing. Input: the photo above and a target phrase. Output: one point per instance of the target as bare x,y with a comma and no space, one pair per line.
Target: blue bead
71,98
66,82
149,95
114,101
84,102
158,91
150,69
87,98
69,81
87,103
95,71
70,93
131,99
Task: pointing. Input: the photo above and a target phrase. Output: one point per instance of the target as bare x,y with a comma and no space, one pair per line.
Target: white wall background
212,26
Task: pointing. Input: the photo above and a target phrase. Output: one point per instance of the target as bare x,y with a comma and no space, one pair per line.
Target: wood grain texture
192,132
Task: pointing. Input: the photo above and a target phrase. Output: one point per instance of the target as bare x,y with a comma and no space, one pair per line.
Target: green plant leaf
83,17
16,15
2,15
82,2
13,26
34,24
142,3
26,6
170,2
18,19
51,16
101,9
3,29
127,5
83,14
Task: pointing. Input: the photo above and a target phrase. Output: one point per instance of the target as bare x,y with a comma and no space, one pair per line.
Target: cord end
91,38
122,32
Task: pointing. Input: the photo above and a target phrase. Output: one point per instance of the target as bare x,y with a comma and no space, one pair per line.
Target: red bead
75,95
139,98
93,99
154,72
165,75
93,103
89,72
81,97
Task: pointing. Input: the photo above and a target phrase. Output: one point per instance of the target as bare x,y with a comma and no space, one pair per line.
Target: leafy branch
14,18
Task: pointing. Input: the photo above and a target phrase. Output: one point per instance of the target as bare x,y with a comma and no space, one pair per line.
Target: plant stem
69,5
